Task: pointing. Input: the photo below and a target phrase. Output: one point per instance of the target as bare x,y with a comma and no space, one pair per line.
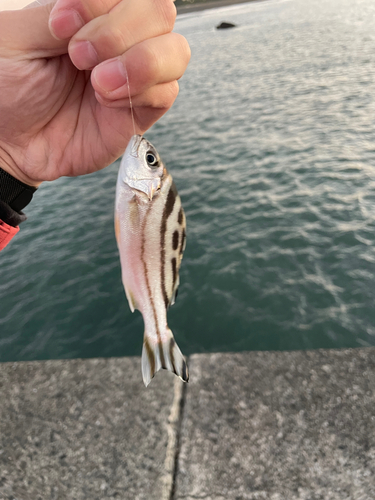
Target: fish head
141,167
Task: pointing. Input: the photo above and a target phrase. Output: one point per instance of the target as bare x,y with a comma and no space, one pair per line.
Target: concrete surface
258,425
279,426
85,429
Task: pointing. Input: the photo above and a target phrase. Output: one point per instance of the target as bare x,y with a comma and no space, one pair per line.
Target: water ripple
271,145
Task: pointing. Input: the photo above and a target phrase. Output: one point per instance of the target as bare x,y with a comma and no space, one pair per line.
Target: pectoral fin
131,300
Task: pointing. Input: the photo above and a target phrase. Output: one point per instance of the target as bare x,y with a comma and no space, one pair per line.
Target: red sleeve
6,233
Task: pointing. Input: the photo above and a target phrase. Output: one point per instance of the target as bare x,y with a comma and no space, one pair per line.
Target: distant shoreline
194,7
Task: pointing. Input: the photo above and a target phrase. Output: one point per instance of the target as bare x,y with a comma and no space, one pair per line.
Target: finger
148,107
153,104
27,31
68,16
160,97
160,60
127,24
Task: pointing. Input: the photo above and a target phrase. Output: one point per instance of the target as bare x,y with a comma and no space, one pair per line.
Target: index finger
69,16
130,22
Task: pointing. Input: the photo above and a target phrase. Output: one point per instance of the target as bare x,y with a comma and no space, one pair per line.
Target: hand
64,106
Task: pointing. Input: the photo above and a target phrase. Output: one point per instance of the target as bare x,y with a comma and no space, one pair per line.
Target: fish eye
151,159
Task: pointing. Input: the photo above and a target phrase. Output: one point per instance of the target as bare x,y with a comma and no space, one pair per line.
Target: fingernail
110,75
65,23
83,55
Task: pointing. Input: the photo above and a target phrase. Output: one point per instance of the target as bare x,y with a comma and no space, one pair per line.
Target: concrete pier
256,425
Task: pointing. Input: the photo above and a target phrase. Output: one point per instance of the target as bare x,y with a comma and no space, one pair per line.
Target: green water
272,146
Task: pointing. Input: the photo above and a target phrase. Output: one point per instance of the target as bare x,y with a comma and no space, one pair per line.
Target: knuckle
169,94
185,51
94,8
151,62
168,13
165,95
120,38
114,40
174,89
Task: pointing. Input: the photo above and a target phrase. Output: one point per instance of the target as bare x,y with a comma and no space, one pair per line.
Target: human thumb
27,33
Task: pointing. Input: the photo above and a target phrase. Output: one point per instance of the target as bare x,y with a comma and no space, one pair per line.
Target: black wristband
10,216
13,192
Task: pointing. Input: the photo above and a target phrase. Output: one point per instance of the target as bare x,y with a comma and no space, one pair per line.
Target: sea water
271,143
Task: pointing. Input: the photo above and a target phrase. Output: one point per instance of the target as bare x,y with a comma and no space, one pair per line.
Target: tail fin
165,354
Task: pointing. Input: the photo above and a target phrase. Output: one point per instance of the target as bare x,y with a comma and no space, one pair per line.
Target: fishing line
130,100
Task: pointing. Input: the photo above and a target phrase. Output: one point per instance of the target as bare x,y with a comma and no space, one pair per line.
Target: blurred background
271,143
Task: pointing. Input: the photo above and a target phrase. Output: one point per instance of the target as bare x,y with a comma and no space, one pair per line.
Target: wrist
8,165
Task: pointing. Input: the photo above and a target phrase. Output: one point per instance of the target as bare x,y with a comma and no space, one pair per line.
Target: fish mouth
136,142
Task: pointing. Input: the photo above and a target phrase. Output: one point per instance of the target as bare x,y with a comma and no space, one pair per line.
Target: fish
150,228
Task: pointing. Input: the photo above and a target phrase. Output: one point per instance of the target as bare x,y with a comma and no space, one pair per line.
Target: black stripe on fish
150,355
174,271
175,240
181,216
172,343
168,209
161,354
171,200
185,374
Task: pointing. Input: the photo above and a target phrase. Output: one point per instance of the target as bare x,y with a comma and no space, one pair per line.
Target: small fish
150,228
